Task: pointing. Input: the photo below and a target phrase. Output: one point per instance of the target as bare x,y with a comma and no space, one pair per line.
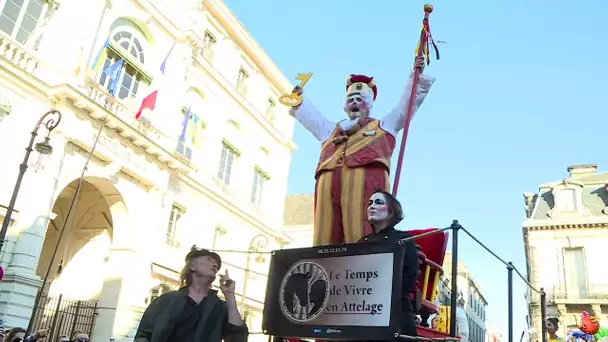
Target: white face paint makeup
377,209
356,106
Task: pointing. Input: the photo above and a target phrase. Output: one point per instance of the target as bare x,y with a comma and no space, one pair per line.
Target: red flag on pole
422,50
149,102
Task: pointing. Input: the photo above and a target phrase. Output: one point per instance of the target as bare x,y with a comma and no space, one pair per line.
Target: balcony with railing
17,55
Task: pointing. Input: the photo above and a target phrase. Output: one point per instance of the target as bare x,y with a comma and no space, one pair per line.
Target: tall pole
454,295
50,120
425,35
543,313
63,227
510,299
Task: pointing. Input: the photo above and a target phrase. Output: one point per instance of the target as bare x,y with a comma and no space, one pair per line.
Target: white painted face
377,208
356,106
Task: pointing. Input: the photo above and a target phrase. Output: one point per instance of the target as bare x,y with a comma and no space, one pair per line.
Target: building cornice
564,226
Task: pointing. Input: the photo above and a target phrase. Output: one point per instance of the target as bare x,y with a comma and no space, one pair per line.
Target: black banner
341,292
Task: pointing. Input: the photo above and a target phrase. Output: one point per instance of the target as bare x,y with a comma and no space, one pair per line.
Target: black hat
196,252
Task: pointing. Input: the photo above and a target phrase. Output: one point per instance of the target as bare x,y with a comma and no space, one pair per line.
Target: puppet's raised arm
394,121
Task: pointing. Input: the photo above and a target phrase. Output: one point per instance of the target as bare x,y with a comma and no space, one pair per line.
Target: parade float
344,290
340,289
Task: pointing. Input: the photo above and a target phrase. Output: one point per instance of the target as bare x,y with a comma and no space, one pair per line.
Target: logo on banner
304,292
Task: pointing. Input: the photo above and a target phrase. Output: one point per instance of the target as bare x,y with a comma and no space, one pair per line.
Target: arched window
19,18
130,44
126,43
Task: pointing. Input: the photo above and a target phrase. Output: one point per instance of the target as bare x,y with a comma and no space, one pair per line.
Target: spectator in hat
194,313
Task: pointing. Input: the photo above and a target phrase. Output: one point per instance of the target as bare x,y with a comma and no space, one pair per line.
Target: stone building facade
565,233
153,188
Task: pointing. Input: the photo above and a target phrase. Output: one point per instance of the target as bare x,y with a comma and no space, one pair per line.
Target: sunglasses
83,340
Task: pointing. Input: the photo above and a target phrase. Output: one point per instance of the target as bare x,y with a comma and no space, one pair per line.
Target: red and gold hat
362,85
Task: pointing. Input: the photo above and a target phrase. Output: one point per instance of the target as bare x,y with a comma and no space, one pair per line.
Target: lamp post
50,120
258,242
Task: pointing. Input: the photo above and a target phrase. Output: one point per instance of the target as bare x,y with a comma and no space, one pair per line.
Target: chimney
580,171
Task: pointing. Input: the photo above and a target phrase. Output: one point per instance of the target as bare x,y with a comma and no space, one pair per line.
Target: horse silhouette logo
304,292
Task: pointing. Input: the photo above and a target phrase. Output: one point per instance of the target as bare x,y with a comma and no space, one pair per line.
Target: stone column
122,298
38,191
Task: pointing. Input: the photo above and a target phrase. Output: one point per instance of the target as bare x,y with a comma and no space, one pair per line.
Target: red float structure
431,255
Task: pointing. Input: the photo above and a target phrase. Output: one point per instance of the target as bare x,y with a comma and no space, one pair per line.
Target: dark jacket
410,273
158,321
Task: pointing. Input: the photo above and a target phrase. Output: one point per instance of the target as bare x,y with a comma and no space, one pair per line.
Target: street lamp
50,120
256,244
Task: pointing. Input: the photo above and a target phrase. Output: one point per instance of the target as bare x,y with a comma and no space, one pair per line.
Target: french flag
149,102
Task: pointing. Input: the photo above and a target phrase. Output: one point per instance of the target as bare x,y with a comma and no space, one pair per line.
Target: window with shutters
257,189
575,272
174,216
270,108
241,81
209,41
227,161
568,200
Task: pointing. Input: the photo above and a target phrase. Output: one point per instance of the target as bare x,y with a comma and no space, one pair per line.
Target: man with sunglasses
194,313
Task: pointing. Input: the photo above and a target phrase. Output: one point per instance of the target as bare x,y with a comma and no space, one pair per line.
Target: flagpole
63,227
410,108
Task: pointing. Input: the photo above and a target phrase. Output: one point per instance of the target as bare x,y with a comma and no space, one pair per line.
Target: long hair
185,276
394,207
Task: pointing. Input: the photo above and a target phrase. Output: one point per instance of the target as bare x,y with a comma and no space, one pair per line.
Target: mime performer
355,156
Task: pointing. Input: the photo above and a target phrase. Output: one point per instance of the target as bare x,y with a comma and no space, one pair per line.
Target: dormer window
567,197
567,200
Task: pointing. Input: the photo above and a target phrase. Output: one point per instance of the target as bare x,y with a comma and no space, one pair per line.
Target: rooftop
593,185
299,210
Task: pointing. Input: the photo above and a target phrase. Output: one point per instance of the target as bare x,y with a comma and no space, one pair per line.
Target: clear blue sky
518,98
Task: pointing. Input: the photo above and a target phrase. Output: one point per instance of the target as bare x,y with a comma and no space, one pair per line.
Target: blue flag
164,64
182,137
114,71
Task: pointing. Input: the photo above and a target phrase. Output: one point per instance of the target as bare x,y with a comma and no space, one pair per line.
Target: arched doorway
78,271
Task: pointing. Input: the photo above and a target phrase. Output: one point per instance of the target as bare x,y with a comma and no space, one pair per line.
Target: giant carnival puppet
355,155
589,326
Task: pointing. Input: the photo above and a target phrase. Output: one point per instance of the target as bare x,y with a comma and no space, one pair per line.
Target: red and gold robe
351,167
